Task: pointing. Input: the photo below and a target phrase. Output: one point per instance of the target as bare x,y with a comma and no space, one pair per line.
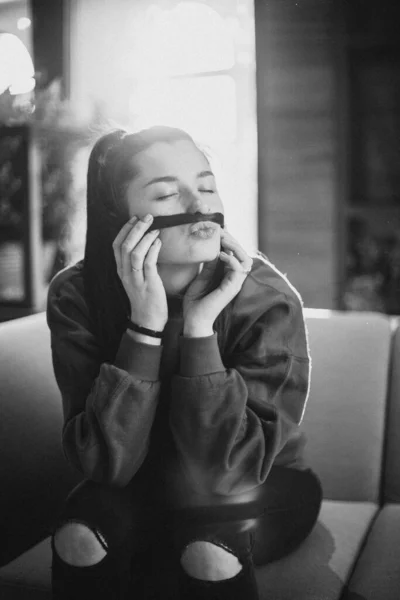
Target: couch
353,426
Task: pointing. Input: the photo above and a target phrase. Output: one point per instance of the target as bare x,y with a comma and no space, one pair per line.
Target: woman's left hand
199,315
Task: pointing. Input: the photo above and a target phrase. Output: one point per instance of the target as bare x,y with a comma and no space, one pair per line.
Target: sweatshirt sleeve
108,408
229,424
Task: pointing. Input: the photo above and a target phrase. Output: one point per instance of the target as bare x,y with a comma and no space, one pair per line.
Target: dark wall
48,39
378,18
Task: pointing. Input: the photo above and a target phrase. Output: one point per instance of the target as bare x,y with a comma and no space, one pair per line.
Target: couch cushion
33,470
377,573
319,568
391,488
345,416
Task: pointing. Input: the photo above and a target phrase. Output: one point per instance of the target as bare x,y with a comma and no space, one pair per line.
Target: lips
202,225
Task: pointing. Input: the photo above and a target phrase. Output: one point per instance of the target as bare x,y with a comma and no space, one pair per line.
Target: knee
207,561
79,546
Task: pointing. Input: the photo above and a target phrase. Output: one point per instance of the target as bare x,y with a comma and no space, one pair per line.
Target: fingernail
148,218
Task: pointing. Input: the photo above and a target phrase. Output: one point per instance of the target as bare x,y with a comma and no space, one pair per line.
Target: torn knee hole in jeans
203,559
213,541
99,536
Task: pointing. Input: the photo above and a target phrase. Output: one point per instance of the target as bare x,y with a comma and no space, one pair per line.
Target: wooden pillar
33,245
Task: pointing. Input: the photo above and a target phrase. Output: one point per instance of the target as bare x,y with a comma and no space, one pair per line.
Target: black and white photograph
199,299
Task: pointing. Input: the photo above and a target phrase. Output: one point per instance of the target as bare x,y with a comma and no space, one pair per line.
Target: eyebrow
171,178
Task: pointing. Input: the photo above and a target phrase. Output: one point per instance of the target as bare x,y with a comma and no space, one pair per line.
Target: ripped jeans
144,538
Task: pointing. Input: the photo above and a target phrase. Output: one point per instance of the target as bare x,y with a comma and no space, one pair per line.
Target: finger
124,231
139,253
243,265
230,243
136,257
236,249
150,262
234,264
130,241
136,233
119,239
231,260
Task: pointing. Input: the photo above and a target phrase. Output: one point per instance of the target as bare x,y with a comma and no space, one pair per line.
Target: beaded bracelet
144,330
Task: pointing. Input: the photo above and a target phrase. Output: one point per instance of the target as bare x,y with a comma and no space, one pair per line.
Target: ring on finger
244,271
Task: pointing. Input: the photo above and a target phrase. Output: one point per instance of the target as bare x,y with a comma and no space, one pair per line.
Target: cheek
170,236
217,203
172,241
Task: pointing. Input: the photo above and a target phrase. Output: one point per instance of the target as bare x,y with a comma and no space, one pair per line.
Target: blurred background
297,100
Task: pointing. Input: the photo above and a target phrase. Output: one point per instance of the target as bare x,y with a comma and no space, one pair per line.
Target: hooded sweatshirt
177,408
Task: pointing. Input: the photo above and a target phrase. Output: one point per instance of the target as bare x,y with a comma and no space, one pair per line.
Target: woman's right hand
133,247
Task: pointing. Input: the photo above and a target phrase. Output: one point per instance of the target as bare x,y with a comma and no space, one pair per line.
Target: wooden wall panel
297,143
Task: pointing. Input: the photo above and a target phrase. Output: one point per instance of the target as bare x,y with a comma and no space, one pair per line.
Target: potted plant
45,120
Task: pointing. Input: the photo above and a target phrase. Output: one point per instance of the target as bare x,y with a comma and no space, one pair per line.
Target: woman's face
176,178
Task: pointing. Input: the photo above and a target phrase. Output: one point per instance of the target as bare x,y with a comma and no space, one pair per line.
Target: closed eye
207,191
167,196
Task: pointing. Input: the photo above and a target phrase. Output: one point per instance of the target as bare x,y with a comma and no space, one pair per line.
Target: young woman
184,367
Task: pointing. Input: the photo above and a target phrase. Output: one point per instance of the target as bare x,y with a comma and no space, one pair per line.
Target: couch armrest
34,474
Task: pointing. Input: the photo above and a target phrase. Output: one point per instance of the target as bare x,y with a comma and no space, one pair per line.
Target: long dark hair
110,171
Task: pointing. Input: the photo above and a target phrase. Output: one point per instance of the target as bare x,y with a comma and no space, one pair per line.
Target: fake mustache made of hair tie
184,218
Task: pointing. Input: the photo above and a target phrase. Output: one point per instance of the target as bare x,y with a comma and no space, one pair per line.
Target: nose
195,203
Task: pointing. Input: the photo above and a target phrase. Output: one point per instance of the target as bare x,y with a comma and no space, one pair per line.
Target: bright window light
184,45
182,63
203,106
22,86
23,23
190,38
16,66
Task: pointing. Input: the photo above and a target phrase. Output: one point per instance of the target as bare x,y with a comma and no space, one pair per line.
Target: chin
204,254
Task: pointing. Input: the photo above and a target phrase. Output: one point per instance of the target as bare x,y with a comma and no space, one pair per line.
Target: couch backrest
345,415
34,474
344,420
391,484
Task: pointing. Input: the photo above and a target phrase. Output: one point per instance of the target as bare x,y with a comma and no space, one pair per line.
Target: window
182,63
192,66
